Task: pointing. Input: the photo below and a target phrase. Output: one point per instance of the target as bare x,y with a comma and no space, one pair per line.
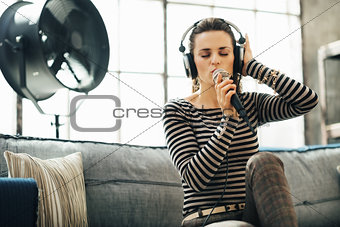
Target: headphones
188,58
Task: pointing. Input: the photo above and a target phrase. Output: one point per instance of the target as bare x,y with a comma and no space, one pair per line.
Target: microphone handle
236,102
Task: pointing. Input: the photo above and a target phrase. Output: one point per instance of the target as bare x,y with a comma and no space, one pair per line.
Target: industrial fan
58,44
62,44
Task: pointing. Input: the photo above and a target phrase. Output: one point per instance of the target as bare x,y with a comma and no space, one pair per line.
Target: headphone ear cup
190,66
237,61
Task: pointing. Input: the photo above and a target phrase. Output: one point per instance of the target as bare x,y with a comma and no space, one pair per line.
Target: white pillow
62,200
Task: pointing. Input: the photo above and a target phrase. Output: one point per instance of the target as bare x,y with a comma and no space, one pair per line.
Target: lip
213,71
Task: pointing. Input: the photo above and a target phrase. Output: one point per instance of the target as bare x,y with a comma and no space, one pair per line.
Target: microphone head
224,74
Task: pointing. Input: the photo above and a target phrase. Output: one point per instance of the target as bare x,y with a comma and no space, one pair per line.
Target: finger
224,87
218,81
247,40
229,95
225,82
226,98
227,88
222,84
220,78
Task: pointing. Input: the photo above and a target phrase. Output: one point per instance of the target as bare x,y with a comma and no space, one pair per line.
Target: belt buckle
231,207
241,206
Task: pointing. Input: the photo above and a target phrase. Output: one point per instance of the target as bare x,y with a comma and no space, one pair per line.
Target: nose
215,59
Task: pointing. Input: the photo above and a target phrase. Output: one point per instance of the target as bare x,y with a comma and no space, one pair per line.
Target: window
146,69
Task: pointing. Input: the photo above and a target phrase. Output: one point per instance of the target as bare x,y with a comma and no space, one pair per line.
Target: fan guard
62,43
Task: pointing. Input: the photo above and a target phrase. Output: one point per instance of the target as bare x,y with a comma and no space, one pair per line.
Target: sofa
130,185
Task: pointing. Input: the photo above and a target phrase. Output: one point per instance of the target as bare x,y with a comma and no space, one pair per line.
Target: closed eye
208,55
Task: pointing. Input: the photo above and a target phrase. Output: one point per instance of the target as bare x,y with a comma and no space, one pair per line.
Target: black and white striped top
199,140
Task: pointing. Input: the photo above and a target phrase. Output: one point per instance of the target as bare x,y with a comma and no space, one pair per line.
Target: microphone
224,74
235,100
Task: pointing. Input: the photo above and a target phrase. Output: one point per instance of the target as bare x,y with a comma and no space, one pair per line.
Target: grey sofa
130,185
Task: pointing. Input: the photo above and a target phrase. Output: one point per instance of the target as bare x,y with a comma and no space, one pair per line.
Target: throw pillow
62,200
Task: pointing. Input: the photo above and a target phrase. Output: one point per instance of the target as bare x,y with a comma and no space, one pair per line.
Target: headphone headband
230,24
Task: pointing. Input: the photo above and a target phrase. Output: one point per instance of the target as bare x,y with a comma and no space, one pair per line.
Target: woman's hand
224,90
248,55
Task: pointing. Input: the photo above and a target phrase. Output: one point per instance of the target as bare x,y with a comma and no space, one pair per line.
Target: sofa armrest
19,201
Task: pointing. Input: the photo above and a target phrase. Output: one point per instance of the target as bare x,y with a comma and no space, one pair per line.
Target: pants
268,198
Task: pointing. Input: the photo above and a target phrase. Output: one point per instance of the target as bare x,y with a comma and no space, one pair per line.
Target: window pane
8,102
277,49
294,6
141,36
272,6
275,45
36,124
139,90
142,101
97,113
109,12
271,30
179,20
271,47
294,66
248,84
243,4
204,2
179,87
244,20
40,125
288,133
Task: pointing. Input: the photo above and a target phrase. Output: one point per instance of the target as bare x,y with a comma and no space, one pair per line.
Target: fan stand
19,47
57,125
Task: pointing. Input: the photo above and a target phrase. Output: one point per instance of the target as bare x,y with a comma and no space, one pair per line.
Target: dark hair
212,24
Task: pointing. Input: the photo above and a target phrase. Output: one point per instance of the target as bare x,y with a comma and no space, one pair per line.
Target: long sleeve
197,166
293,99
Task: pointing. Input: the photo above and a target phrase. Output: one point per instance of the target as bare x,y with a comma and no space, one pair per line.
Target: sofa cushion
60,181
314,182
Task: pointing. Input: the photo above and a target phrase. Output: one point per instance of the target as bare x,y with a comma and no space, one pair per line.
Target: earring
195,85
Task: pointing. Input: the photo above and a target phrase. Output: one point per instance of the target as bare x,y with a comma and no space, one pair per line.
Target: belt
217,210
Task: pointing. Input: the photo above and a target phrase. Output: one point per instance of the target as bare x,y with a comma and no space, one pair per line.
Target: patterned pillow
62,200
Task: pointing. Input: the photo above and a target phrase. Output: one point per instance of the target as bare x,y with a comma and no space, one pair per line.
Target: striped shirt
205,146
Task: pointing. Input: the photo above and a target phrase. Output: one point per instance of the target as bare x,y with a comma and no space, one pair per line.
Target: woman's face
213,50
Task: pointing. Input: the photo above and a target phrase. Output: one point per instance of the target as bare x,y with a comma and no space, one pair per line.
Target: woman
214,149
